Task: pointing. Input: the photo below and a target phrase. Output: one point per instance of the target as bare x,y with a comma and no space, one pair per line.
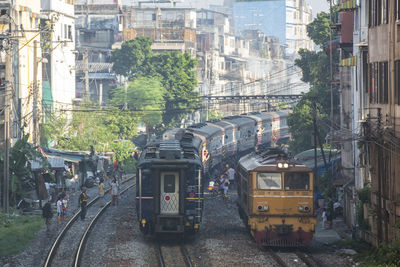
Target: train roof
223,124
204,129
239,120
268,159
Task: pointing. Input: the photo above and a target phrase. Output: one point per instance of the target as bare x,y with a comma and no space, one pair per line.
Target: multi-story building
97,28
284,19
58,76
370,99
20,66
382,126
170,28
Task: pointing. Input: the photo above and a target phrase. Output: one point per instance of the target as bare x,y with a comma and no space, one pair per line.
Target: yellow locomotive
276,199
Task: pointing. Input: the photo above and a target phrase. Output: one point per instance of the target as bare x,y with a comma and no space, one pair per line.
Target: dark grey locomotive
169,197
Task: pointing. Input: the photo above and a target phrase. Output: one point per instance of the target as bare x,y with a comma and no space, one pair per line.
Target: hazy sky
317,5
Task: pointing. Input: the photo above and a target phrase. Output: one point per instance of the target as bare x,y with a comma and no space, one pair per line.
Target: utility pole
379,192
314,113
35,113
7,106
86,70
331,64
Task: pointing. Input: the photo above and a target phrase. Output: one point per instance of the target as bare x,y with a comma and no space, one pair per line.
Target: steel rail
306,259
186,255
81,247
60,236
276,257
160,256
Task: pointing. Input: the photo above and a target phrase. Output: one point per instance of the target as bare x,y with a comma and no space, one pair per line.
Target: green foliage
364,195
20,167
324,185
385,255
131,59
315,68
107,129
129,165
214,115
16,232
144,95
362,223
178,77
175,71
318,30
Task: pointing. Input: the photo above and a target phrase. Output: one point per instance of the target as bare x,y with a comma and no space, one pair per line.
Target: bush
384,255
364,195
129,165
16,232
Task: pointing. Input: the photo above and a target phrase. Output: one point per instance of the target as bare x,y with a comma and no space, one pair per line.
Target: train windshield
297,181
271,180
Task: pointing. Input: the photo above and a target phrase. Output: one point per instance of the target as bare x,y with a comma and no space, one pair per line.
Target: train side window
297,181
271,180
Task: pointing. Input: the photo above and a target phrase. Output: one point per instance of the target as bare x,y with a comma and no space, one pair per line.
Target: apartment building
58,74
98,26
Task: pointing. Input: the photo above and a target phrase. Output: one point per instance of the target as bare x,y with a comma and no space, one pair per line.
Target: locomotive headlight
260,208
307,209
280,165
301,208
266,208
285,165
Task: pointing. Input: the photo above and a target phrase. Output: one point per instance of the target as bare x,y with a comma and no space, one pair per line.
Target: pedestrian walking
114,191
60,212
101,191
64,206
83,197
225,186
47,214
324,219
231,174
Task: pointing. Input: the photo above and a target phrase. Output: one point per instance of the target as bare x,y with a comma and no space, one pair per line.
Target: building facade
59,51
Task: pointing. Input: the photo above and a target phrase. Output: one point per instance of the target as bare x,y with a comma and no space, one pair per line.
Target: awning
348,62
348,5
55,163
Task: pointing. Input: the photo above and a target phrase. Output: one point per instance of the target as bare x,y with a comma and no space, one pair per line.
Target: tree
176,72
20,167
318,30
130,60
178,77
144,97
315,68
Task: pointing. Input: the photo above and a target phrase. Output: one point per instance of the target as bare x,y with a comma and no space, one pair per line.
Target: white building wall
28,16
62,56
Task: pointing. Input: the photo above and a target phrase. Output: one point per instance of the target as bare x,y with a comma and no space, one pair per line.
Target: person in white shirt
231,174
60,211
114,191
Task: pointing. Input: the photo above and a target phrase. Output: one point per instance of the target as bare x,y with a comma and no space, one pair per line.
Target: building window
378,83
378,12
397,81
397,9
69,32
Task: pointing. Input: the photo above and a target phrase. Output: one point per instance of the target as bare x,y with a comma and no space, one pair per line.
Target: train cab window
271,180
169,184
297,181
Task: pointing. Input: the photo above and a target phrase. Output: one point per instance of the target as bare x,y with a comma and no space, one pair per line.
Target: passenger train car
275,199
171,171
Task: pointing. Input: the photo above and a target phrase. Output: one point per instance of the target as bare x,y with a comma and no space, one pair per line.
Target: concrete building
20,67
353,99
98,26
59,67
170,28
381,129
283,19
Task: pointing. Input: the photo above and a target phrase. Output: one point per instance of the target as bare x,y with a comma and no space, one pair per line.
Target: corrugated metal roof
95,67
55,163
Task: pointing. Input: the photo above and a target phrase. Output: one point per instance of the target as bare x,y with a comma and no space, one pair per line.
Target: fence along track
60,236
81,247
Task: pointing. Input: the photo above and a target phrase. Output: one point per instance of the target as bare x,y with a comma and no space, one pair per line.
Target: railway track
71,240
173,255
295,258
